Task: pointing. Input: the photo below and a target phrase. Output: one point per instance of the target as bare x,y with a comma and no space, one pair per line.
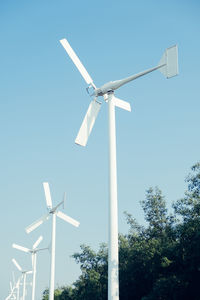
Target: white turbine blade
67,219
47,194
29,272
38,242
122,104
77,61
170,62
17,265
20,248
88,123
37,223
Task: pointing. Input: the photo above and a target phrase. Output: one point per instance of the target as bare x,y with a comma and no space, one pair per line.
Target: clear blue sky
43,101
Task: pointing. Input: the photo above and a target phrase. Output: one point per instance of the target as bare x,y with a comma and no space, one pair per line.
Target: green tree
189,206
160,261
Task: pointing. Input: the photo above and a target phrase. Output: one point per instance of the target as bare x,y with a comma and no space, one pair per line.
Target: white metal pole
18,290
113,273
24,287
53,248
34,274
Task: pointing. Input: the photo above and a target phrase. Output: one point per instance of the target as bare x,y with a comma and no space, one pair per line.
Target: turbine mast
113,260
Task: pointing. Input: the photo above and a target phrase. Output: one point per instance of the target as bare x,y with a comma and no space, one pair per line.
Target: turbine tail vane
169,61
64,200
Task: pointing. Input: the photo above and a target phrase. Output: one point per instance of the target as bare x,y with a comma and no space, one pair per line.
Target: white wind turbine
24,273
33,253
52,212
17,286
12,295
169,67
14,288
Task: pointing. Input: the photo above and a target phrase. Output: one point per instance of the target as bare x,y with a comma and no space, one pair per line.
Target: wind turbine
24,273
169,67
52,212
12,294
16,286
33,253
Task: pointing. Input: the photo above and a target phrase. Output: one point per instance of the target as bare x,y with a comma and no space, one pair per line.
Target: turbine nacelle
106,88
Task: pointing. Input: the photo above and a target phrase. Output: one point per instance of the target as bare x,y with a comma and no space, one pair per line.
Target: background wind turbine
17,286
12,294
169,67
14,288
33,253
52,212
24,273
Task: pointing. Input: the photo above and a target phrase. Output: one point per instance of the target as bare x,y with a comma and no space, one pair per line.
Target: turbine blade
77,61
37,223
38,242
169,61
20,248
29,272
17,265
88,123
122,104
67,219
47,194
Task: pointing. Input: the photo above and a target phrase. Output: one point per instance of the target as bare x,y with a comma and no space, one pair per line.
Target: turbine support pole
18,289
53,248
34,274
113,260
24,286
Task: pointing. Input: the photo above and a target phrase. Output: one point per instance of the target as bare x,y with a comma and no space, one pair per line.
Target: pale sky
43,102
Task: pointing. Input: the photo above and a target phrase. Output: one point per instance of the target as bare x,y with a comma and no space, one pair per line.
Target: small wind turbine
12,294
14,288
24,273
169,67
33,253
52,212
17,286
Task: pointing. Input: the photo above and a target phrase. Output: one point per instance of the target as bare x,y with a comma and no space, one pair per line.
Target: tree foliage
160,261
